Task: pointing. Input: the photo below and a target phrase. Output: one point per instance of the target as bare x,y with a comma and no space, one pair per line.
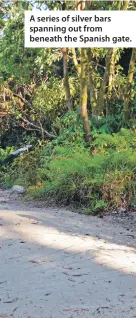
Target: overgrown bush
102,177
104,180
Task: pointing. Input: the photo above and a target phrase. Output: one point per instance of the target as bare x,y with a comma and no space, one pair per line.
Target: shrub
104,180
66,172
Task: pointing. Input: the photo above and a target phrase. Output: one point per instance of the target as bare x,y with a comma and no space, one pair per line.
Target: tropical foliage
77,107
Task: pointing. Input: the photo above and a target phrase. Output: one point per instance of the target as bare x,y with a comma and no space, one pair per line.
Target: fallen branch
22,99
51,136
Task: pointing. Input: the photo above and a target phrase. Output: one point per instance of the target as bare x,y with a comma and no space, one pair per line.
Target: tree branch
22,99
51,136
74,57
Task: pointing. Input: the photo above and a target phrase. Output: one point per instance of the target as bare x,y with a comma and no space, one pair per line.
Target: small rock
18,189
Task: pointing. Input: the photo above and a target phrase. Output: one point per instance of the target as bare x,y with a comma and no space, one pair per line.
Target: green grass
69,173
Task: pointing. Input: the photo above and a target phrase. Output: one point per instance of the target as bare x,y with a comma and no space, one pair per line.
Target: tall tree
83,85
130,77
66,79
91,85
106,85
65,71
83,95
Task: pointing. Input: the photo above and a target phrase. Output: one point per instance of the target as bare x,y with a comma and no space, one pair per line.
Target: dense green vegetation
76,107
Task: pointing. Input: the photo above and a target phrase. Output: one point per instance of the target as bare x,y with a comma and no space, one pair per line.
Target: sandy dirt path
59,264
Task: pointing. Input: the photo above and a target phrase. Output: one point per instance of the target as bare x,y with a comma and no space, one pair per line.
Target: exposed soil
56,263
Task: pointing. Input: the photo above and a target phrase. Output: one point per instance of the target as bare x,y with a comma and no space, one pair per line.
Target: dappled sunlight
100,251
110,255
124,260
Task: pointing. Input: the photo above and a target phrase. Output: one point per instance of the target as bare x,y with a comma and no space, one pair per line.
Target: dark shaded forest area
76,107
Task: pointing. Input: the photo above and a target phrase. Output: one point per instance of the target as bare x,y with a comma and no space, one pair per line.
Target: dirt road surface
59,264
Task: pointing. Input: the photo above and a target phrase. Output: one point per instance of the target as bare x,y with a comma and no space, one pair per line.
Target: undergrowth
66,171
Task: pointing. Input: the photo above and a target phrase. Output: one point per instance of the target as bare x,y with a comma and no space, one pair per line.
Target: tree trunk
83,95
112,58
80,5
119,5
129,83
108,79
125,5
92,89
66,81
75,61
130,74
